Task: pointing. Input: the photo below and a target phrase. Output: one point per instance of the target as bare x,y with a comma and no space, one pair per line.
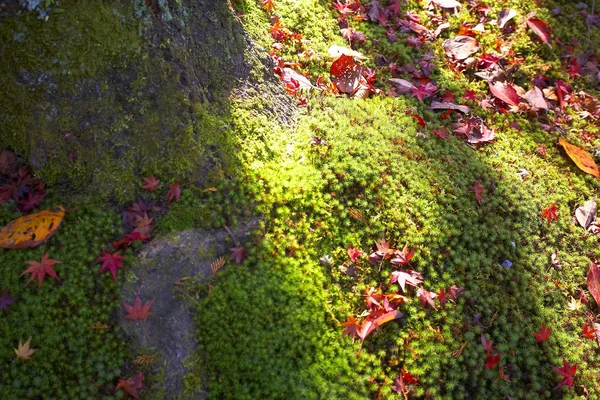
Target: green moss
72,360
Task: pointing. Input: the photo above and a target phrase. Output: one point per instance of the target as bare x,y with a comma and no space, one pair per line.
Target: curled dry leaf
505,15
461,47
443,105
402,86
581,158
540,28
586,214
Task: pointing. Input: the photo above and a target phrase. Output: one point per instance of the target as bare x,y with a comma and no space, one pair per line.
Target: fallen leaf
593,282
372,323
540,28
23,351
111,262
131,385
38,270
346,74
505,15
31,230
174,192
543,334
550,213
582,158
238,254
426,297
460,47
403,257
535,98
6,300
137,311
150,183
351,327
505,92
402,86
491,361
567,372
402,278
502,374
586,214
437,105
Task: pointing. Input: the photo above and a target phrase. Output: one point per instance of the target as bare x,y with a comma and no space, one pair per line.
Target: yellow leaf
31,230
23,352
581,157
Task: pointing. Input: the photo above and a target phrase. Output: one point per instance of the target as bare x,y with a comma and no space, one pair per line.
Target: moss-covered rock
99,93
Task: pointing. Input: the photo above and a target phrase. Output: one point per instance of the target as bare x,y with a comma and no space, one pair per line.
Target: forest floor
425,227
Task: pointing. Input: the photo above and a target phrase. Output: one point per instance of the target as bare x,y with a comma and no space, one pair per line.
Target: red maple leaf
38,270
443,297
590,331
351,327
470,95
137,311
150,183
403,257
268,5
426,297
238,254
354,254
491,361
174,191
404,378
441,133
6,300
567,372
111,262
478,190
488,345
129,239
347,7
32,201
423,91
543,334
402,278
550,213
131,385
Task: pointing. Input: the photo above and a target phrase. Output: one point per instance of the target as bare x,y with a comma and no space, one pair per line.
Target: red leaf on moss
150,183
131,385
540,28
111,262
550,213
403,257
174,191
491,361
505,92
590,331
478,190
346,74
543,334
38,270
567,372
488,345
426,297
268,5
238,254
419,119
402,278
375,320
354,253
351,327
137,311
441,133
593,281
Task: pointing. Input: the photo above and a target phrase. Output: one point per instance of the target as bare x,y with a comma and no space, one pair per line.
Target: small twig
231,235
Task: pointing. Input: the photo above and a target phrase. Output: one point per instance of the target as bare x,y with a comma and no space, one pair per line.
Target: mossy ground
270,328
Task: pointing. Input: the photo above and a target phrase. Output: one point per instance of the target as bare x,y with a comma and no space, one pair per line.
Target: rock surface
164,266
